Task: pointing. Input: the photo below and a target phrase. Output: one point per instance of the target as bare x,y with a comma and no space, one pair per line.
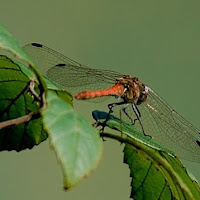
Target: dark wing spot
198,142
61,65
37,45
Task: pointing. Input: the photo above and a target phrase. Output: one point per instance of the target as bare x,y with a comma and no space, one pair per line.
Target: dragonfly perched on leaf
136,102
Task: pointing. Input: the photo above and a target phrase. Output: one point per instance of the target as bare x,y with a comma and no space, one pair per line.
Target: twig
31,88
40,97
42,86
19,120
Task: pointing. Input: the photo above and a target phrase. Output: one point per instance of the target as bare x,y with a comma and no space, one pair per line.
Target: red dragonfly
137,103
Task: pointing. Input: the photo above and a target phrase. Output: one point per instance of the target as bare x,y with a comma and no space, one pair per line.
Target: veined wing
170,129
68,73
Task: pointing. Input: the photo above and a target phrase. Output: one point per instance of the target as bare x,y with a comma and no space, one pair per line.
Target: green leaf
158,176
15,102
9,43
147,181
156,173
77,144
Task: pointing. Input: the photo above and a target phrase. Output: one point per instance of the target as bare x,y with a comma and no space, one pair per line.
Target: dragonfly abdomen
116,90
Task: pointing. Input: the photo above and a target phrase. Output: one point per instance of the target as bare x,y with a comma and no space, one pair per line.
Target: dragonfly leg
124,110
138,115
120,112
110,107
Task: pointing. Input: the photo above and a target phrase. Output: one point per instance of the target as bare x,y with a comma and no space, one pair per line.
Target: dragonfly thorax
134,90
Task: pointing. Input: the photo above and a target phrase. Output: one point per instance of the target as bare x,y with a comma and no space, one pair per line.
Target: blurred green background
157,41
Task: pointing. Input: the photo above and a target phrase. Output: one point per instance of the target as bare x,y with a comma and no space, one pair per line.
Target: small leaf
77,144
15,102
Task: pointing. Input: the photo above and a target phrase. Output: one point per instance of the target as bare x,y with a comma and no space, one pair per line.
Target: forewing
68,73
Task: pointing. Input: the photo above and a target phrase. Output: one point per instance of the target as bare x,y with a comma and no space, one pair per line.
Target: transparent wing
167,127
68,73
